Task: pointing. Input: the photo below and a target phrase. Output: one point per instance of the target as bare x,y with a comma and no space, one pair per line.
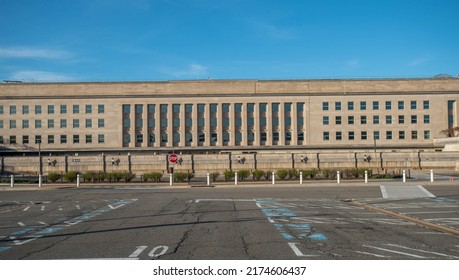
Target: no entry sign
173,158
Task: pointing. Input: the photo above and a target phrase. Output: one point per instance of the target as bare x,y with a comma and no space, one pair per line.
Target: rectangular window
25,139
88,138
325,106
138,108
50,109
50,139
401,135
51,123
1,123
401,105
339,136
363,119
76,109
426,134
25,123
76,139
63,123
414,135
426,118
25,109
350,105
37,109
188,108
388,119
326,136
325,120
100,123
351,135
13,139
1,109
126,109
100,108
88,109
388,135
12,124
101,138
37,123
337,119
76,123
414,105
363,105
363,135
388,105
375,119
376,135
401,119
12,110
338,106
63,109
63,139
350,120
426,104
375,105
414,119
88,123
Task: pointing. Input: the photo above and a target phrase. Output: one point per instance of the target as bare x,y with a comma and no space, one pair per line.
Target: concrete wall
204,163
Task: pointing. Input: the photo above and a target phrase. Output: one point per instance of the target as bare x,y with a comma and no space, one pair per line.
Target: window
76,109
25,109
337,119
401,135
25,139
25,123
51,123
351,135
1,123
376,135
276,136
37,109
363,105
388,105
350,120
375,119
13,139
63,139
388,135
388,119
139,138
414,105
325,106
38,139
325,120
139,108
139,123
100,108
101,123
401,119
1,109
88,138
88,109
414,135
63,109
426,118
401,105
338,106
12,124
37,123
426,104
350,105
50,139
12,110
339,135
50,109
363,135
101,138
363,119
126,109
375,105
326,136
126,123
188,108
426,134
88,123
76,123
76,139
414,119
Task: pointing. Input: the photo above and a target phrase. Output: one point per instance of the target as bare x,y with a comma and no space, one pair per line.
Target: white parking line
422,251
370,254
27,208
396,252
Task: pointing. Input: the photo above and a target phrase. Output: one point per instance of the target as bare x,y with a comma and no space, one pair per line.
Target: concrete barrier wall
203,163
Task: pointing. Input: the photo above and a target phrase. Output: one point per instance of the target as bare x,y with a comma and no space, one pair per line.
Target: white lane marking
43,208
370,254
231,200
43,223
137,252
433,233
422,251
78,207
27,208
396,252
60,208
297,251
115,207
21,224
17,242
429,194
383,191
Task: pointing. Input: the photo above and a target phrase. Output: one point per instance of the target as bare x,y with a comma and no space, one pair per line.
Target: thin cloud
32,52
41,76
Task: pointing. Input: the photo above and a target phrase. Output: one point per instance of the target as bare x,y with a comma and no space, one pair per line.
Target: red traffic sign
173,158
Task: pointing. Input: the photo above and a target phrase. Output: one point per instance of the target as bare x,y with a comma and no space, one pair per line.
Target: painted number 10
154,253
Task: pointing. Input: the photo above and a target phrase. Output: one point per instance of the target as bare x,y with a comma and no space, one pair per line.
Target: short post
208,179
235,178
301,178
170,179
78,180
404,176
338,179
274,178
366,176
12,180
431,176
40,180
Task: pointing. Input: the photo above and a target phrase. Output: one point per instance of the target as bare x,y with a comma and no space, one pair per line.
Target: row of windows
376,105
52,139
51,123
351,135
376,119
51,109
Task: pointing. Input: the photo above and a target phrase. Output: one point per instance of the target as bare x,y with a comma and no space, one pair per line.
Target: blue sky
139,40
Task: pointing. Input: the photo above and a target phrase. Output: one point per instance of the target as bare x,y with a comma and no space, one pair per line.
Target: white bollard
235,178
78,180
301,178
431,176
40,180
170,179
274,178
404,176
12,180
208,179
338,179
366,176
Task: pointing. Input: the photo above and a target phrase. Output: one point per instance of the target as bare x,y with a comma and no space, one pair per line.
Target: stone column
132,129
294,126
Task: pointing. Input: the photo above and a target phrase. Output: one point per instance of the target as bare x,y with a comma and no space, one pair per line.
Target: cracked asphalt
263,222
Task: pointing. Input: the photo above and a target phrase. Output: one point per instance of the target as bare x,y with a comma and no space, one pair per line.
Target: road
262,222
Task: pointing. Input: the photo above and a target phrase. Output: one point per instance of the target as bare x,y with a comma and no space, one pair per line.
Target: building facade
219,115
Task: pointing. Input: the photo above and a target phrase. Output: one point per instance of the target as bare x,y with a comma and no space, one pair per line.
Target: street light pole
40,170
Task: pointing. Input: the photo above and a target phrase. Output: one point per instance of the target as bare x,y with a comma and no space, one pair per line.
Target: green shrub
267,174
229,174
243,174
180,176
153,176
100,176
90,176
282,174
214,176
293,174
128,176
329,173
54,177
257,174
312,173
70,176
116,176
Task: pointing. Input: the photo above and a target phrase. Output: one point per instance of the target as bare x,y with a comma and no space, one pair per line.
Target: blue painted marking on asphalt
278,212
318,237
49,230
287,236
5,248
442,199
23,231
